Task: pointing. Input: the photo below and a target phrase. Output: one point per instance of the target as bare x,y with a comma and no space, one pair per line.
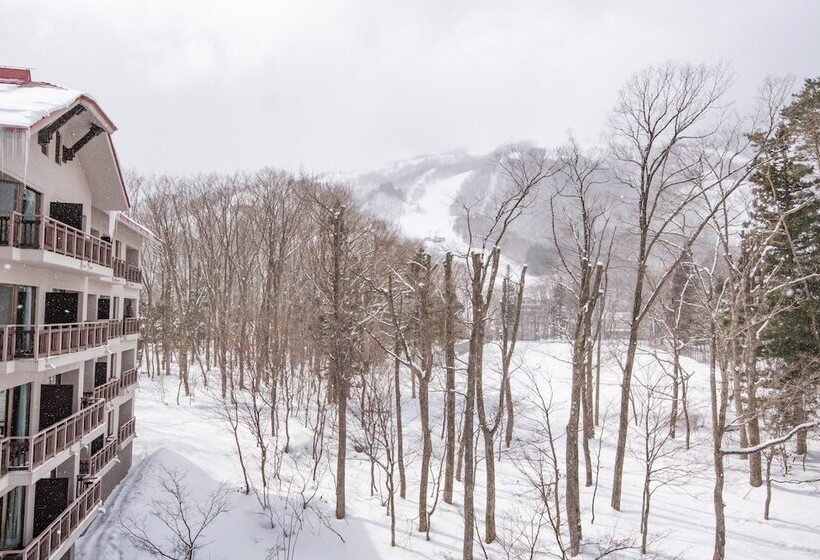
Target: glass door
13,510
8,205
30,225
26,318
18,424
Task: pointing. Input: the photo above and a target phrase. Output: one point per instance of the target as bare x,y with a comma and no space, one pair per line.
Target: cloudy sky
355,84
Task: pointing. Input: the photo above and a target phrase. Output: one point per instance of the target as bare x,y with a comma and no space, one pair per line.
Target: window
7,304
31,202
26,297
13,510
8,196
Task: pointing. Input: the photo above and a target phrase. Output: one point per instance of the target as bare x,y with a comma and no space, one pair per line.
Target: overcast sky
355,84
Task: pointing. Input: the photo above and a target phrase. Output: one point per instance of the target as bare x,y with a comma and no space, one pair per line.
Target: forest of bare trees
300,310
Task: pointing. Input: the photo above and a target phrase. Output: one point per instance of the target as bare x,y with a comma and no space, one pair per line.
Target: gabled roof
25,104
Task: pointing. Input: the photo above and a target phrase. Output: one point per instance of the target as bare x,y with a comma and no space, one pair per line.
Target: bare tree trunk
673,415
450,387
508,434
769,457
718,400
399,424
753,422
426,452
626,385
572,483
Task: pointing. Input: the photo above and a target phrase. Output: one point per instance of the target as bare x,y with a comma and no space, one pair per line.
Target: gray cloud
341,85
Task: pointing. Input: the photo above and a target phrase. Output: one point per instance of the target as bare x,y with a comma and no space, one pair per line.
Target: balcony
90,466
108,391
128,378
127,432
114,328
43,341
42,232
29,453
63,530
20,342
131,325
129,272
114,387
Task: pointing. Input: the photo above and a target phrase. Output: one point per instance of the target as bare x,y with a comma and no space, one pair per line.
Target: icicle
26,149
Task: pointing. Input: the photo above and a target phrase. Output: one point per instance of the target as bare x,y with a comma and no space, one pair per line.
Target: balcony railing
127,431
62,530
90,466
28,453
114,328
131,325
42,341
128,271
128,378
18,342
108,391
42,232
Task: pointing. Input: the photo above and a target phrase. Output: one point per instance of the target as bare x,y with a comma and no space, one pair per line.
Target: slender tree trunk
629,365
586,402
489,465
572,483
673,415
426,452
468,434
718,399
399,424
450,387
753,423
508,429
766,507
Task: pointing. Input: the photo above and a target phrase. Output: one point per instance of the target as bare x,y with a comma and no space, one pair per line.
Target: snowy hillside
425,196
193,438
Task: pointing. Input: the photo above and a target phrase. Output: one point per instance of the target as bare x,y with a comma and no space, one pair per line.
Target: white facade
69,316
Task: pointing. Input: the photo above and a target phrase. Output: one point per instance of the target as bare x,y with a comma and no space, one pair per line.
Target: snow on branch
770,443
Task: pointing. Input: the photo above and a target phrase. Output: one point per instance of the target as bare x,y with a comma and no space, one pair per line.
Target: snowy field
192,438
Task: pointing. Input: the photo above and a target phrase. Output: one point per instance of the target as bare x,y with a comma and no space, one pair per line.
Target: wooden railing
128,271
19,342
90,466
42,232
127,430
27,453
114,328
109,390
119,267
61,529
128,378
42,341
131,325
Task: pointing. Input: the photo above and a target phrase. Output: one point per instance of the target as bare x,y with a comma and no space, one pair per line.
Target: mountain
426,197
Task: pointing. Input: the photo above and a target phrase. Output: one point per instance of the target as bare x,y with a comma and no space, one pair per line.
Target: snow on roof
22,105
128,220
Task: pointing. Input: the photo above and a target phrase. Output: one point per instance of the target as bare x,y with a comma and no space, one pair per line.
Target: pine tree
787,202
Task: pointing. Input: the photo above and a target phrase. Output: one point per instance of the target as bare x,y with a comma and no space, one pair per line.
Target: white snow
24,105
429,216
192,438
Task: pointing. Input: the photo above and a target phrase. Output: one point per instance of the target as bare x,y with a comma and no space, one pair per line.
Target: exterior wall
113,477
50,272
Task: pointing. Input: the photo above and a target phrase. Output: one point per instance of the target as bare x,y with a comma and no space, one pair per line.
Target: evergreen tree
786,216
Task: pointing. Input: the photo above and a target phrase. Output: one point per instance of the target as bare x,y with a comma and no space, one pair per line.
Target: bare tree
581,237
526,170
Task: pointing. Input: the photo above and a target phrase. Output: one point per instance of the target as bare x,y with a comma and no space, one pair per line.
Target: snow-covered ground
192,439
